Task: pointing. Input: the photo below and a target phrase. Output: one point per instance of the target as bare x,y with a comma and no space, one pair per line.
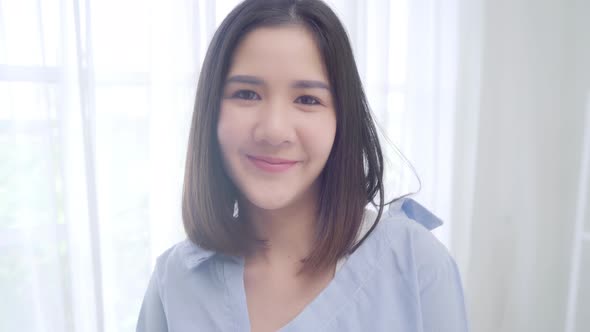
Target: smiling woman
283,160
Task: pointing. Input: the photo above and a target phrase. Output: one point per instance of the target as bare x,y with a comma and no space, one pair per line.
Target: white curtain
95,103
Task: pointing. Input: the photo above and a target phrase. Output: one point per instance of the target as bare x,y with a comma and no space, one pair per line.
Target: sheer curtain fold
95,107
432,68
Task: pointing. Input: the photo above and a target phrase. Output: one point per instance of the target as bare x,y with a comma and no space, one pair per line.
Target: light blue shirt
400,279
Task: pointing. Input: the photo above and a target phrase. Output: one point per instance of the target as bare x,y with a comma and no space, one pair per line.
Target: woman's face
277,121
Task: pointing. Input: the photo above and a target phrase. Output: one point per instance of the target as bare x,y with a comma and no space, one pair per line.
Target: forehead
287,50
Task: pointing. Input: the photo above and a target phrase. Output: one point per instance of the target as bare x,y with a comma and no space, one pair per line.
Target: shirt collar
416,212
193,255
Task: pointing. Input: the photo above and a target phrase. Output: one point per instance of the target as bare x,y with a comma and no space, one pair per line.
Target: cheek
319,136
230,130
223,130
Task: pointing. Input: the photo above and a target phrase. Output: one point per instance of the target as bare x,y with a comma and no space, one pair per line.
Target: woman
283,158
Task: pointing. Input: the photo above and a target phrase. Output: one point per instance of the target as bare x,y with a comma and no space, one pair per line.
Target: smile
272,165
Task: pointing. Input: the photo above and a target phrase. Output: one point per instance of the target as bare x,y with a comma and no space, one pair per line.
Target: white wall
533,83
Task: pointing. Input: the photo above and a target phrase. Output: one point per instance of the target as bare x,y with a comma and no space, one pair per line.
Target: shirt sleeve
442,299
152,317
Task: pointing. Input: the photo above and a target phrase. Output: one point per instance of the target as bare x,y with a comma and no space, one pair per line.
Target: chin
270,202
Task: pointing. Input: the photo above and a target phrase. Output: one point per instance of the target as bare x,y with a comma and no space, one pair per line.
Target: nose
274,126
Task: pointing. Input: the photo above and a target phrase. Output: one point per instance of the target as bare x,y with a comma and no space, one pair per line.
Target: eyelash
314,101
251,95
240,95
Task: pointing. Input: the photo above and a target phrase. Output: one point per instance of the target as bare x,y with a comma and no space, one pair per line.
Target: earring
236,210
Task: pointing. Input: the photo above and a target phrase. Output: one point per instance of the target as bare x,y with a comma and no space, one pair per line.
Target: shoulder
426,265
181,258
405,232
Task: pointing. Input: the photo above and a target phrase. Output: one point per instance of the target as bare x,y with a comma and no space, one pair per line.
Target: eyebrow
299,84
307,84
245,79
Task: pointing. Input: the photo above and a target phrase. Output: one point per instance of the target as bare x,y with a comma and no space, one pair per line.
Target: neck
288,232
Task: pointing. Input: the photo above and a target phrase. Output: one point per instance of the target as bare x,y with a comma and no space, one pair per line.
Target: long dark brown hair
353,174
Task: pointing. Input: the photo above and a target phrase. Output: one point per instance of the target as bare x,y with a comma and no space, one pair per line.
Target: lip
271,164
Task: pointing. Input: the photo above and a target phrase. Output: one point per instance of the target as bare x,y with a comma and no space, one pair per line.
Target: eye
246,95
307,100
